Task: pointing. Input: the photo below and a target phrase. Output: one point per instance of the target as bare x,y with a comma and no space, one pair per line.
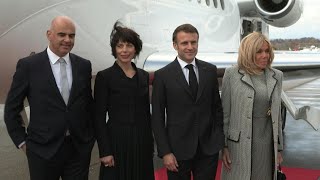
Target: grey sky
307,26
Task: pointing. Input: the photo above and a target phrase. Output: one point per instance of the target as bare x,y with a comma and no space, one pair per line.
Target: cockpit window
208,2
215,3
222,4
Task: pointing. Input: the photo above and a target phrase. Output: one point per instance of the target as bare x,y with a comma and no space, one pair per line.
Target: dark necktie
193,83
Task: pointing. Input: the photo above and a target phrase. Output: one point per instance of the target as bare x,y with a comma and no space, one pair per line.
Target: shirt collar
54,58
183,63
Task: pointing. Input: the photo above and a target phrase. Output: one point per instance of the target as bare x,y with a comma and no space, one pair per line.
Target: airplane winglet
307,113
313,117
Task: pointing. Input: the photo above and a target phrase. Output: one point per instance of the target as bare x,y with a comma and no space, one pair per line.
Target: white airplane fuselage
219,22
221,25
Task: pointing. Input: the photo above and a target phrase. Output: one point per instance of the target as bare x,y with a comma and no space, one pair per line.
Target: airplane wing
293,64
309,114
284,60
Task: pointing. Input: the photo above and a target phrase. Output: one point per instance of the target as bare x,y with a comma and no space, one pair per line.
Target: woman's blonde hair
249,46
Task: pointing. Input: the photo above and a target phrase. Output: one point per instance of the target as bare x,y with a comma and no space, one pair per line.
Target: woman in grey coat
251,99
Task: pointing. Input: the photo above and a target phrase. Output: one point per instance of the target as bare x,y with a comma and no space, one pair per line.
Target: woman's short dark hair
124,34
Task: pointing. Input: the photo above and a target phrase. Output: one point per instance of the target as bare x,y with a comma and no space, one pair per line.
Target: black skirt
133,154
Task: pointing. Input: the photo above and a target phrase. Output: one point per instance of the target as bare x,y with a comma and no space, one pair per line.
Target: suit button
248,137
273,122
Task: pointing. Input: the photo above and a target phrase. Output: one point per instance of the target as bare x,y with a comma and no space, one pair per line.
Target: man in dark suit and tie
57,85
187,117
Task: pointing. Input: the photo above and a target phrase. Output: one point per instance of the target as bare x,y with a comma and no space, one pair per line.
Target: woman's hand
226,158
170,162
108,161
279,159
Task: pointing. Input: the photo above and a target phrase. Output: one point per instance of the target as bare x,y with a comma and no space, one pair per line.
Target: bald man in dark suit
57,85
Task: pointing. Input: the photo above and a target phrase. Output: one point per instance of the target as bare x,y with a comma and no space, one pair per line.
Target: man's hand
108,161
226,159
170,162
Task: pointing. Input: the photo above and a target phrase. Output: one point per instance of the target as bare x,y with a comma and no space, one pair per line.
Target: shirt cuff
21,144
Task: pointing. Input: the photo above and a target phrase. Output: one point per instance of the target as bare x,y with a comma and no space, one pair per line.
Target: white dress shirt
55,66
186,70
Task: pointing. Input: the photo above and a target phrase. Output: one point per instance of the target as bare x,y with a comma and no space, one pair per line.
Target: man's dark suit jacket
50,117
179,123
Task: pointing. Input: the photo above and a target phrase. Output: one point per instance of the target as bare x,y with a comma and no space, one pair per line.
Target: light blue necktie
64,80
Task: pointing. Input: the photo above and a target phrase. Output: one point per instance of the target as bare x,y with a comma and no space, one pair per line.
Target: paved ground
13,164
302,143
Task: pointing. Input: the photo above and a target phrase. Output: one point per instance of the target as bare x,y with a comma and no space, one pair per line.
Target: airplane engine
279,13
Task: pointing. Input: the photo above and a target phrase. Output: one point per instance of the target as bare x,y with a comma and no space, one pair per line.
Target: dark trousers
67,164
203,167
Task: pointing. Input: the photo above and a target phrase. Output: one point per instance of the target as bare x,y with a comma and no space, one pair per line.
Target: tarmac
302,142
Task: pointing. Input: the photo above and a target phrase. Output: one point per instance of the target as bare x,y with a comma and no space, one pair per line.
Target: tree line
295,44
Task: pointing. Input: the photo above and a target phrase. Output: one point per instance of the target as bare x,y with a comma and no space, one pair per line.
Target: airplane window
222,4
215,3
199,1
208,2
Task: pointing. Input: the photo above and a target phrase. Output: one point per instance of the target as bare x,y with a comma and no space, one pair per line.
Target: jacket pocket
38,135
234,135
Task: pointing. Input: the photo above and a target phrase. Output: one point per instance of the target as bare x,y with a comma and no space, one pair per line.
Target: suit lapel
246,78
51,80
181,79
270,78
202,78
271,81
74,69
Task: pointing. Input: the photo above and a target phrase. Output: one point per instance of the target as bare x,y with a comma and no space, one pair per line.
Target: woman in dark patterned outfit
122,91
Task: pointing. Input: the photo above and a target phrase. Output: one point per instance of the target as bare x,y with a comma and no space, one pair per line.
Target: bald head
61,35
61,21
